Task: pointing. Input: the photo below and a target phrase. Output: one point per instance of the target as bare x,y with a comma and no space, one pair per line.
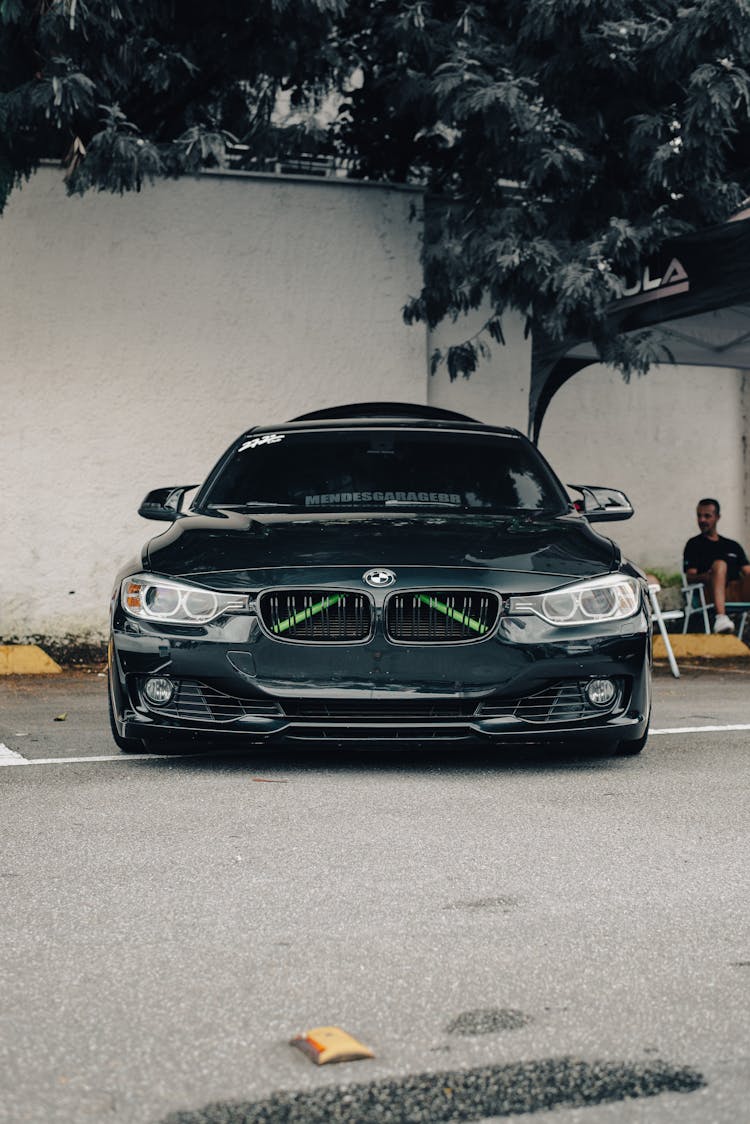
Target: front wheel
127,745
631,749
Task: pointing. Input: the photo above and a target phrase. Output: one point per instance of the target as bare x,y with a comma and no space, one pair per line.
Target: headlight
161,599
612,598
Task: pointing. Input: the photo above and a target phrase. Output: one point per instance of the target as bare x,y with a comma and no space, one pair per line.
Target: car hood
237,551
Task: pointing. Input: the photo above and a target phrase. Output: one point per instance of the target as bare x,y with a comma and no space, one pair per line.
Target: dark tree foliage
127,90
560,141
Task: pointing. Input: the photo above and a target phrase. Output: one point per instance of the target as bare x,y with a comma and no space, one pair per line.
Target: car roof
383,410
409,415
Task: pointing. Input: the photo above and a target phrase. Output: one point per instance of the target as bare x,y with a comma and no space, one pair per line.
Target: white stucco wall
667,439
498,391
141,334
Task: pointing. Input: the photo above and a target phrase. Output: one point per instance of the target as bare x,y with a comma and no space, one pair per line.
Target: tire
604,746
127,745
633,748
164,746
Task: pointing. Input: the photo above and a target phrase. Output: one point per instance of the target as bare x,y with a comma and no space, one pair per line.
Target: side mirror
602,505
164,503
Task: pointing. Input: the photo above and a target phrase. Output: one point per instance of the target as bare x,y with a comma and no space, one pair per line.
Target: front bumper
237,685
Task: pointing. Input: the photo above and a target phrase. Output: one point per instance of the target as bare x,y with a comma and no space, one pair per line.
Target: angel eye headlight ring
614,597
151,598
559,607
598,602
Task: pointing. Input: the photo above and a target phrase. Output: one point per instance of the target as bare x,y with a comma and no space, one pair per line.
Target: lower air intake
561,702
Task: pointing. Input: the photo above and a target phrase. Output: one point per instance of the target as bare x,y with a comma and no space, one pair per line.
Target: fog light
600,692
159,690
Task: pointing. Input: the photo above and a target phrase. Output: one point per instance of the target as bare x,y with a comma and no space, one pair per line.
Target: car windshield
386,468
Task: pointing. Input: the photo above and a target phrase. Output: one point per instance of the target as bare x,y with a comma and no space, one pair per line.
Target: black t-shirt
701,553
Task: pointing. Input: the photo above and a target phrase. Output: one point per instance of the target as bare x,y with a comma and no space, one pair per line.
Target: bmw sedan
385,573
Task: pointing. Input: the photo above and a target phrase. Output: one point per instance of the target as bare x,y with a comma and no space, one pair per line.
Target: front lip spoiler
260,729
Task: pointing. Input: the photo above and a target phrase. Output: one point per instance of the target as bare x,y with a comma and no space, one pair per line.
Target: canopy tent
697,290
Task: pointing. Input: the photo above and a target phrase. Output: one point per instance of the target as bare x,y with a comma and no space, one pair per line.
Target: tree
127,90
560,142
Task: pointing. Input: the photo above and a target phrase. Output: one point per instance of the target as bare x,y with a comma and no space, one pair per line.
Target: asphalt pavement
516,935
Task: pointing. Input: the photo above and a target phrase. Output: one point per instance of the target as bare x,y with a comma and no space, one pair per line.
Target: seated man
721,564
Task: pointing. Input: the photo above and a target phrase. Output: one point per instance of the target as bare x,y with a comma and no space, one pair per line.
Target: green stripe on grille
469,622
305,614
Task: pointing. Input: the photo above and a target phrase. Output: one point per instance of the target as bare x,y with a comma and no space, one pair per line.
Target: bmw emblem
379,578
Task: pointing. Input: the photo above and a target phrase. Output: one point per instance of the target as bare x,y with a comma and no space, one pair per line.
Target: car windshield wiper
252,505
422,503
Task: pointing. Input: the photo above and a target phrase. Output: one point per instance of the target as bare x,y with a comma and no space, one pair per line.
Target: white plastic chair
694,594
692,591
658,617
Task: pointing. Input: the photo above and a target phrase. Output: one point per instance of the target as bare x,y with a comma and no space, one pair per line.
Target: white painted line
697,729
17,759
9,756
71,760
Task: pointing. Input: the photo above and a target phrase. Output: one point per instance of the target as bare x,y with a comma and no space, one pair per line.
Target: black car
384,573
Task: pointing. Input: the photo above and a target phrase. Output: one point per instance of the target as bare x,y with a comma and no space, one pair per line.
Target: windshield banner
383,497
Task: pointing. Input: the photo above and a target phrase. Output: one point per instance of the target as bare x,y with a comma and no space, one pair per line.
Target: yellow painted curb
26,659
699,645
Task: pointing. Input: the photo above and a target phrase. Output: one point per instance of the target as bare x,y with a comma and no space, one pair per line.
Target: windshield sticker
263,439
383,497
